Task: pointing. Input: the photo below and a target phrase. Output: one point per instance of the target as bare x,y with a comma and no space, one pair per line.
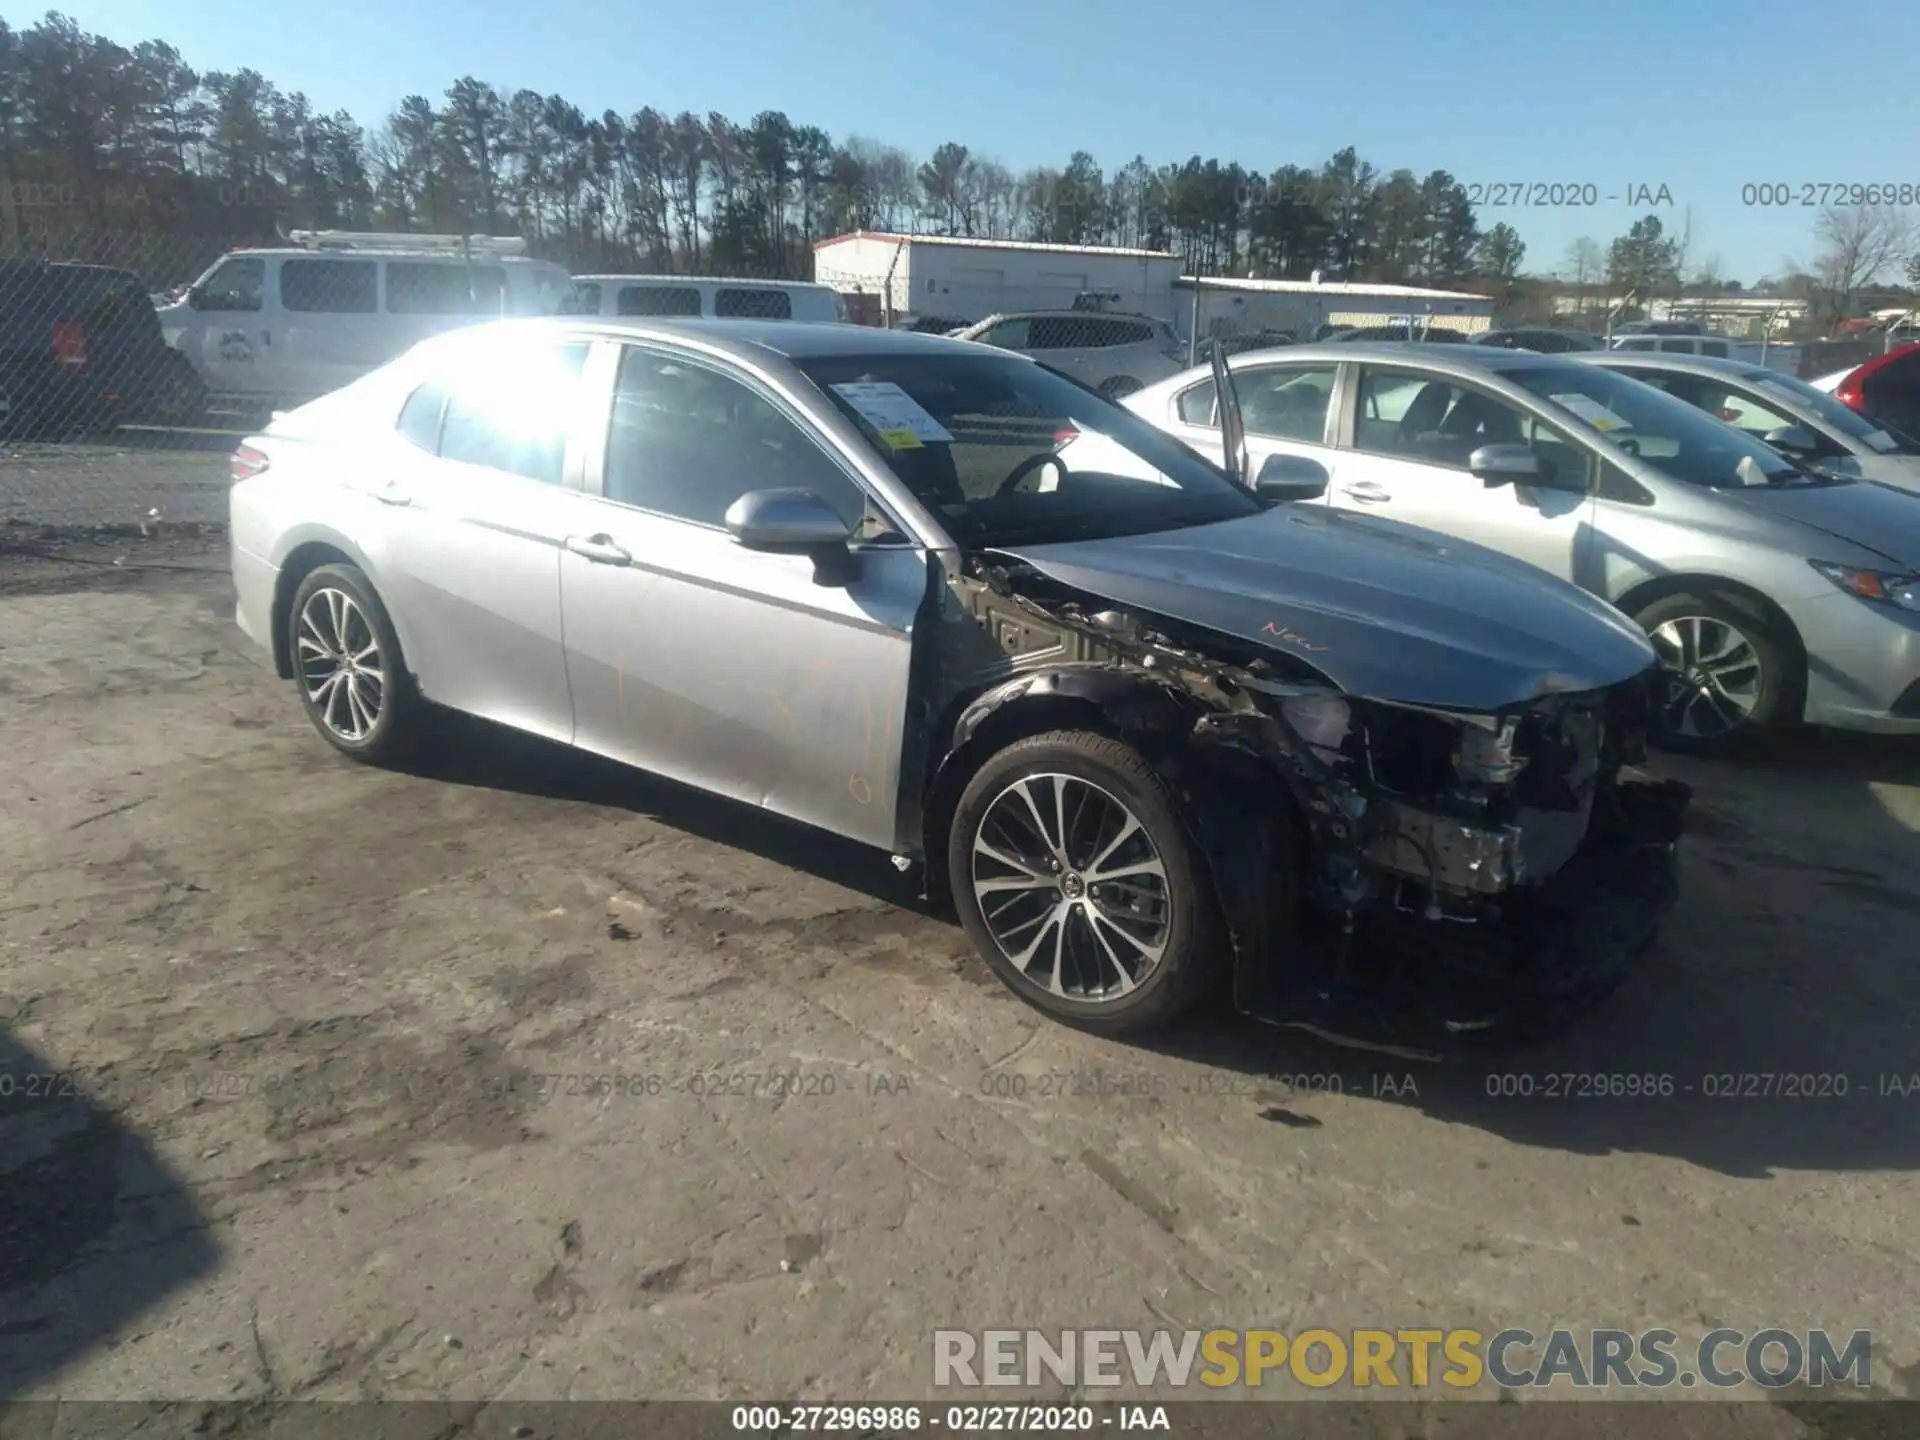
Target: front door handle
1366,492
598,548
392,494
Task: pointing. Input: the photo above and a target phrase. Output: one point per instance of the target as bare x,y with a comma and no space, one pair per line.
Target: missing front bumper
1521,964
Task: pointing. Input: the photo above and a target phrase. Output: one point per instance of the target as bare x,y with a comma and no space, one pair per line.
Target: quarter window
687,440
1196,405
512,410
755,304
416,287
656,300
420,417
332,287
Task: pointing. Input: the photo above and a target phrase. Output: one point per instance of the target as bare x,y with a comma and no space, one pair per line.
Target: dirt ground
286,1022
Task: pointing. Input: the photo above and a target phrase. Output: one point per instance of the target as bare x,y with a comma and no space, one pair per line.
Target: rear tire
1075,877
352,679
1733,674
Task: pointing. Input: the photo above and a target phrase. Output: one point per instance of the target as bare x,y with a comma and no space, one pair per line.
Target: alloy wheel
342,672
1071,887
1714,676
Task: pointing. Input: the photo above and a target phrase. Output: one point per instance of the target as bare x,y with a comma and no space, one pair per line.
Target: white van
1719,347
706,296
284,325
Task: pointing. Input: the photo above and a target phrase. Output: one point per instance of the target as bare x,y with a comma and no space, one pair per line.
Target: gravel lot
295,1012
135,476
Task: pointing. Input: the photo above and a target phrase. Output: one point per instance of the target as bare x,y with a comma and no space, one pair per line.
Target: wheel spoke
1001,857
1150,866
1124,977
1130,828
1024,790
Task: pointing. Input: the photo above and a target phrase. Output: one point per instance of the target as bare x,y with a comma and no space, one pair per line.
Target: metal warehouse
953,277
1218,306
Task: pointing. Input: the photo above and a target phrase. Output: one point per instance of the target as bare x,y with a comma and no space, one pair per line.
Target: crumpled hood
1383,610
1872,516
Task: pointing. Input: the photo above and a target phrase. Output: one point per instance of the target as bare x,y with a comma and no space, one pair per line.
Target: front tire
352,678
1076,879
1732,674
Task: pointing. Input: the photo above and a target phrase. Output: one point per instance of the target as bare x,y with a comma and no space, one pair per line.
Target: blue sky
1699,96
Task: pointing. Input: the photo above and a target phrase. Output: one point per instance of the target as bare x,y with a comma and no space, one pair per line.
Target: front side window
236,284
1665,432
330,287
688,440
510,408
1433,421
656,300
754,304
1835,415
1007,452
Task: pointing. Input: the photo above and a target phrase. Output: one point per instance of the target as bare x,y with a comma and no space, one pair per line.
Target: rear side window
1716,348
1678,347
419,422
513,413
421,287
1196,404
753,304
334,287
657,300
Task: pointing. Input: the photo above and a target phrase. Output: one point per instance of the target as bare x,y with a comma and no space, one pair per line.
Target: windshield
1831,412
1007,452
1665,432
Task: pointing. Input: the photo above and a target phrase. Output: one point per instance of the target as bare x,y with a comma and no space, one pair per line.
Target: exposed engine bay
1503,856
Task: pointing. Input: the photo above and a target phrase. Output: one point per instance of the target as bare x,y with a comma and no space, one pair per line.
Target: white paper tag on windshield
1591,411
899,418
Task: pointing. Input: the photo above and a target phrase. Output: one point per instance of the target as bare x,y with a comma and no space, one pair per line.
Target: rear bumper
253,586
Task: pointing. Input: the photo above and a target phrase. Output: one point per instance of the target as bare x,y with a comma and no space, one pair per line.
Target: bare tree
1858,243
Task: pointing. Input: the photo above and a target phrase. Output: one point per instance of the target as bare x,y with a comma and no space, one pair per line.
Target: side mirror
1504,465
1795,440
196,298
1290,477
794,522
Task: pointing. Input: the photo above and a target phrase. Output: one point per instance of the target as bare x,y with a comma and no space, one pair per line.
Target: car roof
746,339
1678,361
1457,359
731,280
1069,315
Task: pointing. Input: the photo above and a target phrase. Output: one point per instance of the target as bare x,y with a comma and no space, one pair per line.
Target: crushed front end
1460,872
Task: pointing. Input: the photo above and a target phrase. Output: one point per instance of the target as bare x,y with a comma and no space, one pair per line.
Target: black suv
81,349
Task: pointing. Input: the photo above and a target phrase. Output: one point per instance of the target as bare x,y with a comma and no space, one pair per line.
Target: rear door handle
1367,493
598,548
392,494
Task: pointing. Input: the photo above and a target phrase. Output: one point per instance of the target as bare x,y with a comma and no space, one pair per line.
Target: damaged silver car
1149,728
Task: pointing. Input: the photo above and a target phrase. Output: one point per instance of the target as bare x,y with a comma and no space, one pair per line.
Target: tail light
70,346
1065,437
1850,391
247,462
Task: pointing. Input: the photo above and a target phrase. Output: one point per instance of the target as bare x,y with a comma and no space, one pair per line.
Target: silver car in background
1804,423
1136,718
1772,593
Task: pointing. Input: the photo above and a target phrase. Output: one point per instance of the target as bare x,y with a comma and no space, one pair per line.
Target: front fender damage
1506,853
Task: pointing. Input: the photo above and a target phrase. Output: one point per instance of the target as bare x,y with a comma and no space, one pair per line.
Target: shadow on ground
1775,1026
94,1230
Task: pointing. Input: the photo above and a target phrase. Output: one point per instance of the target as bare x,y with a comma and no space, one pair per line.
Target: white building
1216,306
960,279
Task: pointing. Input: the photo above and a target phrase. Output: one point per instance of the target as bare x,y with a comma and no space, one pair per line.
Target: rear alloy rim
1713,676
341,671
1071,887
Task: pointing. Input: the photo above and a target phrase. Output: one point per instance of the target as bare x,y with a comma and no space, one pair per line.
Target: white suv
285,325
1115,354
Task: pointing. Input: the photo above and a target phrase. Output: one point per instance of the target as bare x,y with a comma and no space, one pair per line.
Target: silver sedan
1133,717
1803,422
1774,594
